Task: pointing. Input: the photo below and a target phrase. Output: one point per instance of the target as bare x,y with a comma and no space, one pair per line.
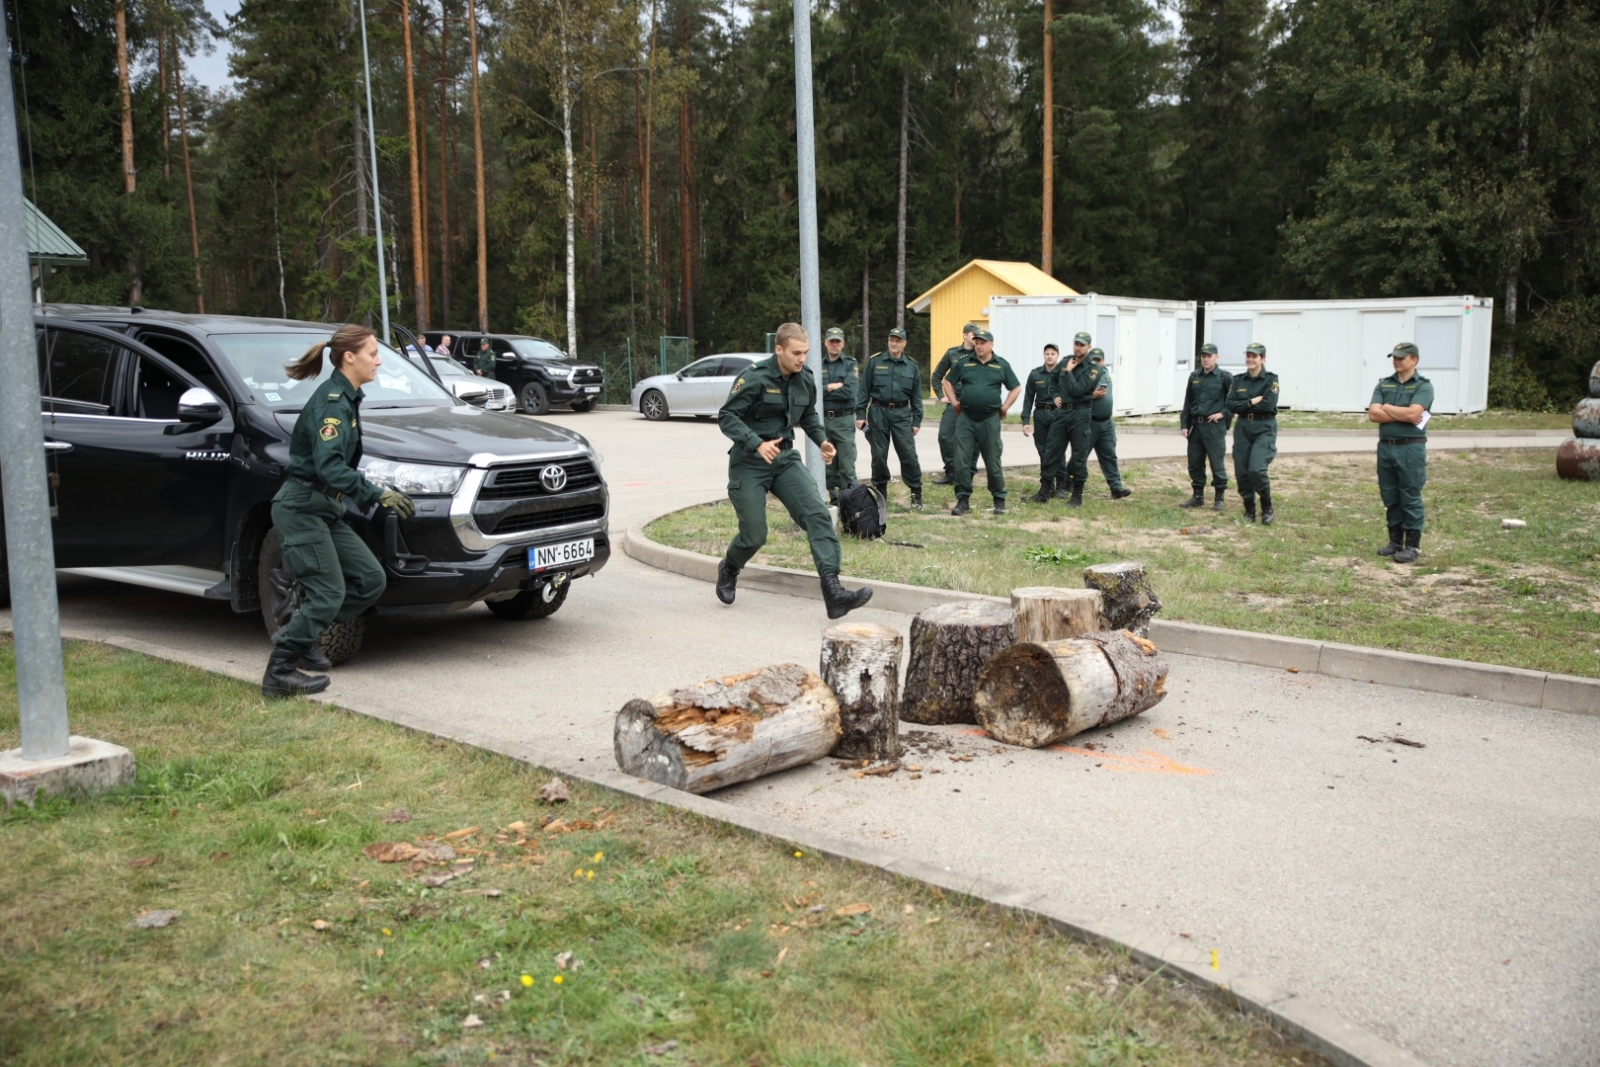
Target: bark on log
1052,613
1586,418
728,730
1130,603
1594,379
861,664
1039,694
1578,459
950,644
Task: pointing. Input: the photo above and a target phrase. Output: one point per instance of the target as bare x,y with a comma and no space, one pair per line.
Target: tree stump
861,664
1586,418
1578,459
1039,694
1594,379
1130,603
950,644
728,730
1049,613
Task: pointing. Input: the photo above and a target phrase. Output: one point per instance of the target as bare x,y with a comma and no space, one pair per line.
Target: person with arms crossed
841,377
947,418
1039,414
1204,422
1103,430
1253,401
890,410
981,381
1401,406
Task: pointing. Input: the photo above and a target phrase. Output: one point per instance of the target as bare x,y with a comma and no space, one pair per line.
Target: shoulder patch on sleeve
738,384
1274,387
328,433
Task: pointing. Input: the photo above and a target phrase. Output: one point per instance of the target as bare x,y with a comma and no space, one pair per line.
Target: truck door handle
57,446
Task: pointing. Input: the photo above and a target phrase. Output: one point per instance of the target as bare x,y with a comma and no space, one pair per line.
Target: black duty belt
786,443
1259,416
890,404
317,486
838,413
1075,407
1402,440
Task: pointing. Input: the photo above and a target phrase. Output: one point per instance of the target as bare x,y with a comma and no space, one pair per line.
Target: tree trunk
1594,379
1046,613
728,730
861,664
647,244
166,108
1586,418
477,159
130,180
1048,227
1130,603
900,232
444,164
188,183
950,644
1578,459
1039,694
572,202
866,313
418,247
685,227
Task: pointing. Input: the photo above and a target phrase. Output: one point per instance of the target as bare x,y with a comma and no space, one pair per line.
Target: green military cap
898,332
969,328
1082,339
983,335
1208,349
833,334
1097,354
1256,349
1404,348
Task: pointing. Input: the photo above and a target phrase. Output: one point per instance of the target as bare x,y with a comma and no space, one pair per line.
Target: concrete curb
1464,678
1308,431
1320,1029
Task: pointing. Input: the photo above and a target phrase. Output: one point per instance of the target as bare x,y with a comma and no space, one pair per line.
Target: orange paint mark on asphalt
1147,762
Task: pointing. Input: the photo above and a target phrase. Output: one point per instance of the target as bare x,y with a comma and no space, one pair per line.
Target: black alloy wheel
280,596
533,400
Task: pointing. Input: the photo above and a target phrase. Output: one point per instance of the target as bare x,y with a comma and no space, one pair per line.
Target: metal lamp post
810,284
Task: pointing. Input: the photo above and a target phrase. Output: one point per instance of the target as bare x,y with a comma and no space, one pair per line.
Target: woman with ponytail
337,571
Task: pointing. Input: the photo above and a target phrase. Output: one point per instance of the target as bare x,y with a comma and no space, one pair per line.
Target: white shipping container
1149,344
1329,354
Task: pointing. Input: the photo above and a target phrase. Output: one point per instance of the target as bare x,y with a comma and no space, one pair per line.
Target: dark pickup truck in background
167,436
540,374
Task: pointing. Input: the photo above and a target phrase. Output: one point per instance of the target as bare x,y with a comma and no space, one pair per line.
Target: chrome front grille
511,483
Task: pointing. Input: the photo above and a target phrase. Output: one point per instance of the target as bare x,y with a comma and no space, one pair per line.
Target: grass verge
1484,421
689,943
1526,598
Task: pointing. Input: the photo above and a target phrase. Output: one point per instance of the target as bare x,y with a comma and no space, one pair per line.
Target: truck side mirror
199,406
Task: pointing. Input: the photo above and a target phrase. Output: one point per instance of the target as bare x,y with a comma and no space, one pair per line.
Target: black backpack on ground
863,512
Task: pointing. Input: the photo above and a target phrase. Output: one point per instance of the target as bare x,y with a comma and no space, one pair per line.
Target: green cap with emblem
1082,338
1256,348
898,332
1097,354
969,328
983,335
833,334
1208,349
1404,348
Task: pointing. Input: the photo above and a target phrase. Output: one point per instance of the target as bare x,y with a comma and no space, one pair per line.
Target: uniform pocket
307,556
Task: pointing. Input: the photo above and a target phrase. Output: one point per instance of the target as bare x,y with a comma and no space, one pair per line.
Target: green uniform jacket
951,357
982,387
484,360
1206,396
846,371
1078,386
763,405
1245,387
1391,390
891,381
1039,390
1102,405
326,444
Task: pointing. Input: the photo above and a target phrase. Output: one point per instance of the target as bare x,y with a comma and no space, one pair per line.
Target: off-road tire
532,399
653,405
339,642
583,405
530,604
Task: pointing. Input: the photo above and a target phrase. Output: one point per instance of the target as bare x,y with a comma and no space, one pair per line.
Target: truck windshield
534,348
259,360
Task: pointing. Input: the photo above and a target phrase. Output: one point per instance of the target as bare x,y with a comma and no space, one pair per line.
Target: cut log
1130,603
1040,694
861,664
1594,379
950,644
728,730
1578,458
1586,418
1050,613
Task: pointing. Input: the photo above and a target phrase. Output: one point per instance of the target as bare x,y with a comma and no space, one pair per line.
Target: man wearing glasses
1401,407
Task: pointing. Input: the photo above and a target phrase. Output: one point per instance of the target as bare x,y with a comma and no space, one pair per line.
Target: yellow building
964,296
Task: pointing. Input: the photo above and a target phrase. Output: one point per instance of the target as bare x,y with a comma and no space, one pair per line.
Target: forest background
1218,149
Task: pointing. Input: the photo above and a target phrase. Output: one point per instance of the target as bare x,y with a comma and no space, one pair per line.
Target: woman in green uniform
1253,400
339,576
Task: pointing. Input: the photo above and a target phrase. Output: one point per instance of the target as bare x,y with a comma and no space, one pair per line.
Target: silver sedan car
698,389
480,392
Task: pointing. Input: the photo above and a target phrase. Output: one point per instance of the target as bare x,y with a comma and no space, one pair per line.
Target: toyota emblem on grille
553,478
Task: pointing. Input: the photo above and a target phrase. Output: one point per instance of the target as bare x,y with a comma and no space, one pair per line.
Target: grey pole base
88,768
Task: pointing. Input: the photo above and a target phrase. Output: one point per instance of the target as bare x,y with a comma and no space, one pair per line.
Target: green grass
1527,598
1493,419
250,818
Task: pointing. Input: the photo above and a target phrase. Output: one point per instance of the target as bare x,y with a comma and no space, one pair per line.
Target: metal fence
628,360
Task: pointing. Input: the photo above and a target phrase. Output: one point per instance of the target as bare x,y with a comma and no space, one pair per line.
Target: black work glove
398,502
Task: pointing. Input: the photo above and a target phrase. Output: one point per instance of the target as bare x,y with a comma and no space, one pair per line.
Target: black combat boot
961,507
1076,500
1044,494
1059,487
1266,507
1249,509
1217,505
1397,540
842,601
727,581
916,500
312,659
1196,501
1120,492
1410,552
944,478
282,680
999,507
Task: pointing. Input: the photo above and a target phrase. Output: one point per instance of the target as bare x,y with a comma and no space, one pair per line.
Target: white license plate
563,555
591,388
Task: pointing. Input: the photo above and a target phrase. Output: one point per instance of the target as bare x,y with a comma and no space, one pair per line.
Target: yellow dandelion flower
578,873
798,853
387,932
598,856
527,981
557,979
589,875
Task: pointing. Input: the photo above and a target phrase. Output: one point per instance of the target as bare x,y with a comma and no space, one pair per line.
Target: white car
479,392
698,389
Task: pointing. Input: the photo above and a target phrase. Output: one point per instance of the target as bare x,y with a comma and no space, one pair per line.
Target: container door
1167,354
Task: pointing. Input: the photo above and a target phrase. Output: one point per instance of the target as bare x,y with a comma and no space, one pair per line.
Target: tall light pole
377,199
810,284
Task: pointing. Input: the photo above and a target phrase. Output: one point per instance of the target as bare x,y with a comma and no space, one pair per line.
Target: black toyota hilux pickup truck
167,435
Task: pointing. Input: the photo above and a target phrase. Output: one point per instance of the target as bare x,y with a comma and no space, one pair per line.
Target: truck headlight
417,479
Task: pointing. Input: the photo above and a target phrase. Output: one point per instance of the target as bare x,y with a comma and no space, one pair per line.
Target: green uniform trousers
974,438
750,479
1402,472
1045,431
339,576
841,432
886,426
1208,441
947,439
1255,445
1075,432
1103,442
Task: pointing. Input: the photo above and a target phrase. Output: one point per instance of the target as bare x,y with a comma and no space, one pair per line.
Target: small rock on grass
555,791
155,918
